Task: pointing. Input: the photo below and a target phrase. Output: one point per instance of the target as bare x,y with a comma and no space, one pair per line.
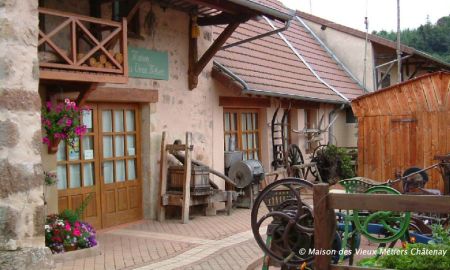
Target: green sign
143,63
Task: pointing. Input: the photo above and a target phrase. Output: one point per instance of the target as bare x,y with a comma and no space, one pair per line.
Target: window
76,163
242,132
311,125
122,9
349,116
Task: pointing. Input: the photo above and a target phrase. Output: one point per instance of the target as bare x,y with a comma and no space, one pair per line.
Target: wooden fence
325,219
403,126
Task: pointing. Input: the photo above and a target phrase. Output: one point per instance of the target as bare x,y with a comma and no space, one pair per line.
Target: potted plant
66,232
61,122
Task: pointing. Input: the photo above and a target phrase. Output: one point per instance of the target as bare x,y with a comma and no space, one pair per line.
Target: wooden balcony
79,48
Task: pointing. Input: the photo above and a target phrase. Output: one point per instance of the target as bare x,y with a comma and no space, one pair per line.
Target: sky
382,14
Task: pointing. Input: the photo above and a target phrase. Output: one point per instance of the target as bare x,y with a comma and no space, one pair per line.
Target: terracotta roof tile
268,64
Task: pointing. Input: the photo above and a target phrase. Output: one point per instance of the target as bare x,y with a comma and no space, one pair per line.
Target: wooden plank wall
403,126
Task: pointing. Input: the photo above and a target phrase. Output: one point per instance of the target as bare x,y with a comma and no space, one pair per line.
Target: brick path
219,242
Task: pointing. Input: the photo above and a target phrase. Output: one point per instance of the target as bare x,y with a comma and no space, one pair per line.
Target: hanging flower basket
62,122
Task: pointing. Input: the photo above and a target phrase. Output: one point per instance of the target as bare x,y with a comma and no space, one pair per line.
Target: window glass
61,174
131,169
88,174
120,170
119,145
108,172
118,121
107,146
106,121
242,131
130,121
75,177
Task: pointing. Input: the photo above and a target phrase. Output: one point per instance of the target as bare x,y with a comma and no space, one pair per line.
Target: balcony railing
73,47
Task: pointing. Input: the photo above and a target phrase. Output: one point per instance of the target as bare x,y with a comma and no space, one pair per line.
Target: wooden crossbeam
55,47
99,45
196,67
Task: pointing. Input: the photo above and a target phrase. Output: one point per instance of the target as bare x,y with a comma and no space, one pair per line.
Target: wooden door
78,172
120,176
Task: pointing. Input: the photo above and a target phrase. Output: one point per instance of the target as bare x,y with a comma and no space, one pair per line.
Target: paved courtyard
218,242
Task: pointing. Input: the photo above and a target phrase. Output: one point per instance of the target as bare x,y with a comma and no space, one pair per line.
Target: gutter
307,64
247,90
330,52
276,14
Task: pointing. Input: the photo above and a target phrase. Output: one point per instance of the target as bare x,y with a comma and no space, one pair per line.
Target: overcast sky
382,13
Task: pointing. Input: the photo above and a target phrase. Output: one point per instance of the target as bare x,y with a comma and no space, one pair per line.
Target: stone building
165,81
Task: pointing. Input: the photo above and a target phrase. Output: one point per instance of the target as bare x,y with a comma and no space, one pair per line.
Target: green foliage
441,235
433,39
414,257
334,163
72,215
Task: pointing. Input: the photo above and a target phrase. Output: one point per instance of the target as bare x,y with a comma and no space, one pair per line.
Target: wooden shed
404,125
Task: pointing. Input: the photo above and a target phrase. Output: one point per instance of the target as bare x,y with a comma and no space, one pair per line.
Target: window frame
239,132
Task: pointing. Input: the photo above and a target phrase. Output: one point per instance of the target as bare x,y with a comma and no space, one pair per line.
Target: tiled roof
269,66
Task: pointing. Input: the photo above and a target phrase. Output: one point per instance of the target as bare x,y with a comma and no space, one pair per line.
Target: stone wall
21,179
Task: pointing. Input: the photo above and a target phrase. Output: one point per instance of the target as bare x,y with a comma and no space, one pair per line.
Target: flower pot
53,146
70,248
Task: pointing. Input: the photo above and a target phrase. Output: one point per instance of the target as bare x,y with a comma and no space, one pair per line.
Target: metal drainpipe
330,116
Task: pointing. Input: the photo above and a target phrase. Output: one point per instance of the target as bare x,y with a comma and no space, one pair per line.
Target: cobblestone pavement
218,242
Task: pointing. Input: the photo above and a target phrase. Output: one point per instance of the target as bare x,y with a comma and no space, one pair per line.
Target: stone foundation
22,211
27,258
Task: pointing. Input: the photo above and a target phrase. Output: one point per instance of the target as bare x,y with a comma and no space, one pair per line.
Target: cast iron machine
247,175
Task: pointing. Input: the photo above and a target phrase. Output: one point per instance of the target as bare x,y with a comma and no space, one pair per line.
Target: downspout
330,116
307,64
330,52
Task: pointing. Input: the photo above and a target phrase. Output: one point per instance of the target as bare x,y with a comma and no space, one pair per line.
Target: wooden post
162,178
187,181
324,226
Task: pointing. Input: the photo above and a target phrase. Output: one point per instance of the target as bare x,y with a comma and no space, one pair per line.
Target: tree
433,39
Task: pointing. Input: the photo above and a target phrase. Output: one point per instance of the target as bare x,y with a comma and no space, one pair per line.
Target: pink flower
58,135
67,227
80,130
59,107
48,104
47,122
66,100
76,232
68,122
46,140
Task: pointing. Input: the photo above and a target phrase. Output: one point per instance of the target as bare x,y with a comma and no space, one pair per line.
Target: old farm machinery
283,222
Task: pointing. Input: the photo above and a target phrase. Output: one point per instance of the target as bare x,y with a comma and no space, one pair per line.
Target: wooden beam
193,55
324,225
162,179
385,202
84,93
212,50
112,94
187,180
222,18
215,47
109,94
61,75
244,102
134,10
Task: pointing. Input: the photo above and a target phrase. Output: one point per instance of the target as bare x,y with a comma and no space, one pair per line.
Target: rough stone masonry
21,178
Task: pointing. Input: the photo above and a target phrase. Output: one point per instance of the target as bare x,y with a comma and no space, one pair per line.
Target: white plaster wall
349,49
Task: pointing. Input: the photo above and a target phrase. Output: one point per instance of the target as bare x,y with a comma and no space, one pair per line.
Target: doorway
106,163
